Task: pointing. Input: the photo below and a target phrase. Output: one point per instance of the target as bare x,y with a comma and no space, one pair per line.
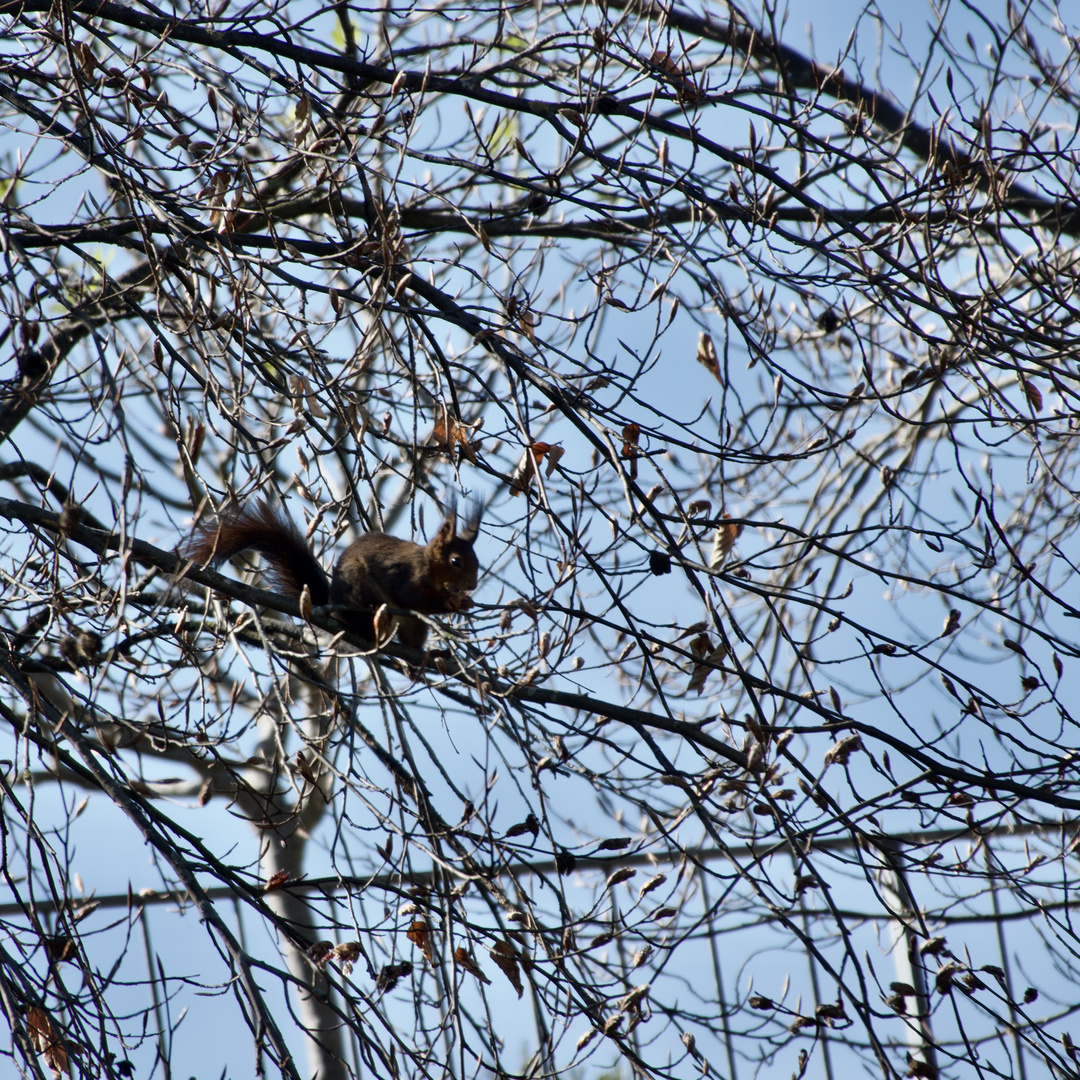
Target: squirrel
375,568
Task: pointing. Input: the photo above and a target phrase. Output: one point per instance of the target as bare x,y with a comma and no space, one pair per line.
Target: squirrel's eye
455,560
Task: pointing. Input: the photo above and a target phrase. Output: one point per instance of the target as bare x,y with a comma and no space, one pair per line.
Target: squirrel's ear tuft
471,526
448,528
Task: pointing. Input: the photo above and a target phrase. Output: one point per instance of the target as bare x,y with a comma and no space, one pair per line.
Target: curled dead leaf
614,843
653,883
727,533
302,122
450,433
46,1039
585,1039
632,1001
685,88
622,874
631,437
303,767
506,957
61,948
944,978
420,935
348,951
529,825
277,880
840,752
464,960
706,355
388,976
321,953
706,660
932,947
611,1024
921,1069
523,475
1032,393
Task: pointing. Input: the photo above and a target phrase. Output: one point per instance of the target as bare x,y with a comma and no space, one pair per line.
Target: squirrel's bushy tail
290,563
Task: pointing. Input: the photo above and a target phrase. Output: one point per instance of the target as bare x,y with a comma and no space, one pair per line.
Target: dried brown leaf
449,434
523,475
841,751
505,955
944,978
706,355
277,880
529,825
615,843
707,659
465,961
420,935
726,534
653,883
932,947
46,1040
1032,393
585,1039
388,976
632,1001
624,873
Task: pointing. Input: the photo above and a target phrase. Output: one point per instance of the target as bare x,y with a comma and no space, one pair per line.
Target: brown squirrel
375,568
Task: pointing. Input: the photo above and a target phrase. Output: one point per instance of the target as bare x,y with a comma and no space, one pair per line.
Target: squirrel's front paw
457,602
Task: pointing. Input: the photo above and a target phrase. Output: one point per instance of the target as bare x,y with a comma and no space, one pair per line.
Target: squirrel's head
453,559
